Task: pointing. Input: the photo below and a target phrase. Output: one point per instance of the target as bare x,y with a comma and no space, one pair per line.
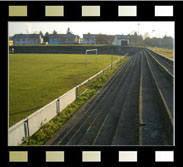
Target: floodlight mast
90,50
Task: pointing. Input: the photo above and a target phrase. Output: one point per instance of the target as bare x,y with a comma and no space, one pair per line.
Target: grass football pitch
37,79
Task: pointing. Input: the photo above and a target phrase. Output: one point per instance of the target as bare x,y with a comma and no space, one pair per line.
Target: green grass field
37,79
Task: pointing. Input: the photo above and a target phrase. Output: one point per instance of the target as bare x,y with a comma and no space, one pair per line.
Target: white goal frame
90,50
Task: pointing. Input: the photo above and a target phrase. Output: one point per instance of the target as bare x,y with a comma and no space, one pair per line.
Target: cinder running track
135,107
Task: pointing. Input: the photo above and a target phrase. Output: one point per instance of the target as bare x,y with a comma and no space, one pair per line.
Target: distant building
110,39
121,40
77,39
104,39
89,39
10,42
56,39
27,39
81,40
44,43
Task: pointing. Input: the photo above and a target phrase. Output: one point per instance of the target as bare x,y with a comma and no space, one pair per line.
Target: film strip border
81,156
90,157
91,11
83,10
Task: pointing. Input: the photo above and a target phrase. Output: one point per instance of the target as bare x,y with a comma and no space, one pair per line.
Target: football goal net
91,50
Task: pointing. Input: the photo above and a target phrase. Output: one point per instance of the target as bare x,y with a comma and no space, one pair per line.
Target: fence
29,125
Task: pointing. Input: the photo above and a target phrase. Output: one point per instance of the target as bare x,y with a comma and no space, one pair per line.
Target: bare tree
146,35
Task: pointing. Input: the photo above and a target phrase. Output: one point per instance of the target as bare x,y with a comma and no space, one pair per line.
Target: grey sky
158,29
93,0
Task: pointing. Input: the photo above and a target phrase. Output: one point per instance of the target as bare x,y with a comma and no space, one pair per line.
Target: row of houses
27,39
69,38
56,39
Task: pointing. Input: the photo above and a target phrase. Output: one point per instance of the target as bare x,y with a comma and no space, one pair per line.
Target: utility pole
138,28
152,36
137,42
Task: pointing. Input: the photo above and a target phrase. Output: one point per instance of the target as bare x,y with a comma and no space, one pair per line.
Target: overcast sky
94,0
155,29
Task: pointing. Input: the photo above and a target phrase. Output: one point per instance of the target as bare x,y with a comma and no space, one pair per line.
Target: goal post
91,50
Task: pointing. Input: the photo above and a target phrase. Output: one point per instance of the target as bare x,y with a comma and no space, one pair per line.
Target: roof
10,37
34,36
64,37
61,35
119,37
25,36
92,35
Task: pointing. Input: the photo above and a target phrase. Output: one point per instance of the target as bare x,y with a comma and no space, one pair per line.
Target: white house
56,39
121,40
27,39
89,39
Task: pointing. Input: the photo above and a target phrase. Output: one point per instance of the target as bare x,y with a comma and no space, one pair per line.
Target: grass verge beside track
166,52
50,128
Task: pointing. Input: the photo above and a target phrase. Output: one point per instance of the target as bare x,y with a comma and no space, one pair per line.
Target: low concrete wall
67,99
42,116
32,123
16,133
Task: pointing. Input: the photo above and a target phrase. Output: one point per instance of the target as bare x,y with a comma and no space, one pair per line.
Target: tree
41,34
101,39
46,37
69,31
54,32
167,42
146,35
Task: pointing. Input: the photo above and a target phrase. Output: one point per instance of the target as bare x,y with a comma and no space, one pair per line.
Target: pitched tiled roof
122,37
25,36
62,36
